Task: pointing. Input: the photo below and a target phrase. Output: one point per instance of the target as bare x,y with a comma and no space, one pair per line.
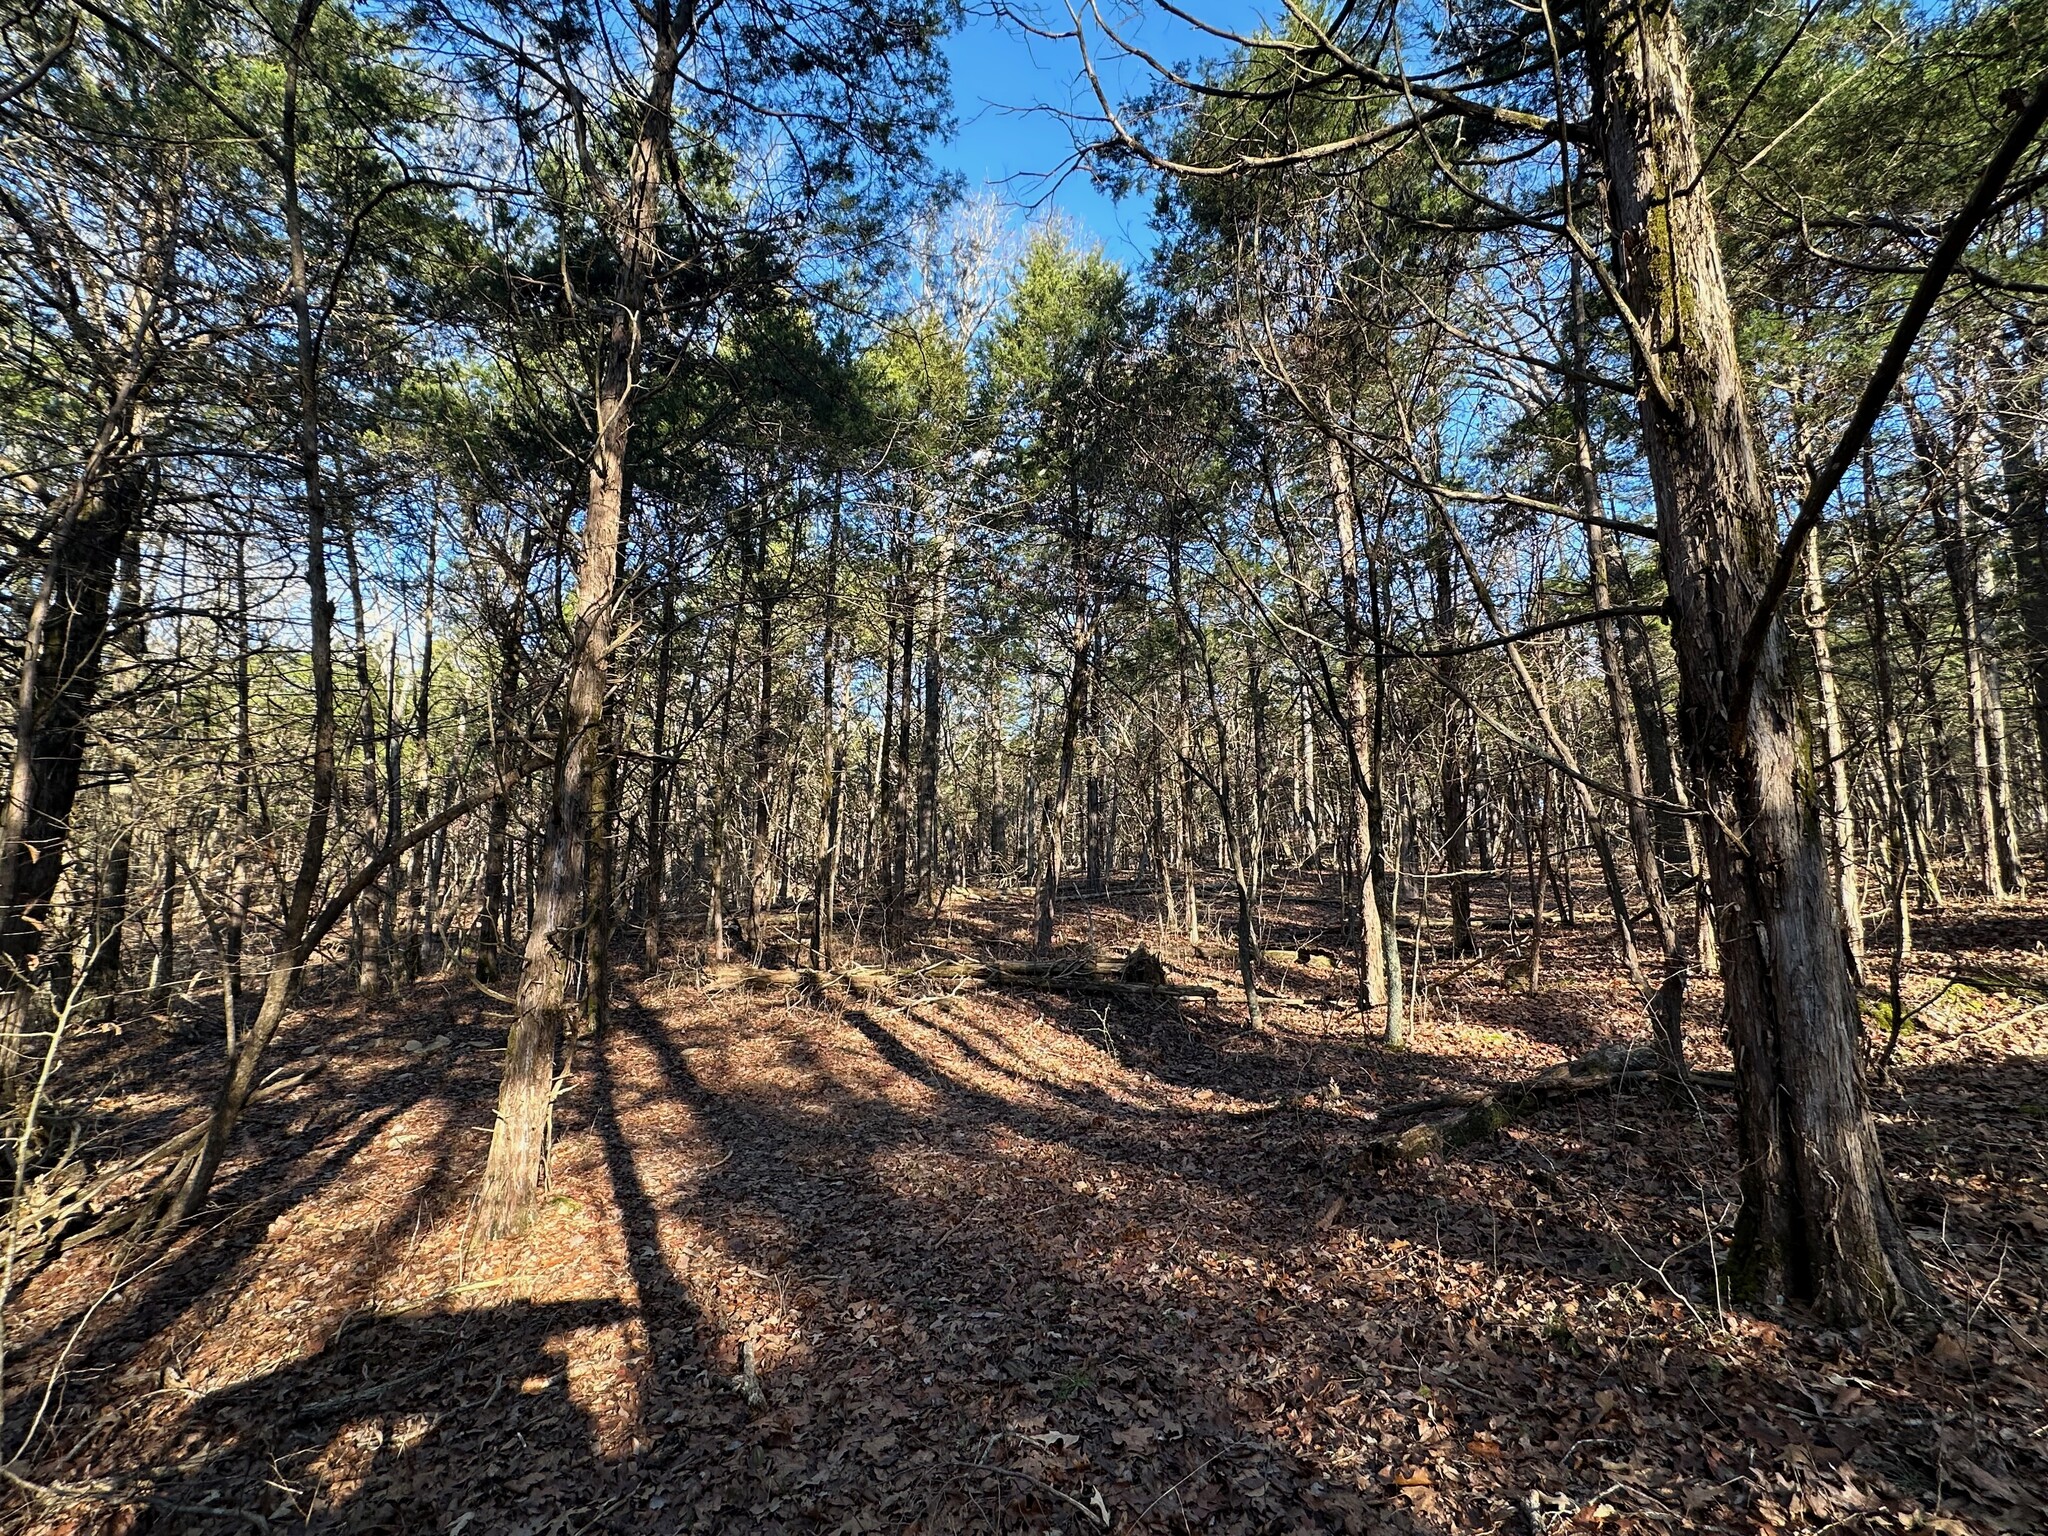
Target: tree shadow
414,1424
979,1287
288,1153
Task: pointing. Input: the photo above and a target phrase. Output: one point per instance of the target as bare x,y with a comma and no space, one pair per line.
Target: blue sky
1010,91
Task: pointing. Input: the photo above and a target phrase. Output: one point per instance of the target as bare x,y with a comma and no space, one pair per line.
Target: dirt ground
999,1261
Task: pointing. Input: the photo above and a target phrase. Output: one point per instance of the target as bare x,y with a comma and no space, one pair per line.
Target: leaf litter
990,1261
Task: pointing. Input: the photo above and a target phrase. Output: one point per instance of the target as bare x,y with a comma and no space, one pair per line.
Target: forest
708,830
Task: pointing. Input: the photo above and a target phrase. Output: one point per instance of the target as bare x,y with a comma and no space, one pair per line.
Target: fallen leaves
995,1265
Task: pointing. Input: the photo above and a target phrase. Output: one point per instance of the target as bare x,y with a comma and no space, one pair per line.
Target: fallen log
52,1208
1458,1120
1129,977
1984,979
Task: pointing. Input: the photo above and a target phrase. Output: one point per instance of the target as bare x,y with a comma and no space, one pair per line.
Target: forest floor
1000,1261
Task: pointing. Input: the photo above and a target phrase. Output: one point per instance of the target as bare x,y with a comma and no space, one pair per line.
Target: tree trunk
2022,410
243,878
1667,1009
654,903
600,872
369,810
1052,829
413,920
526,1091
760,789
1817,1216
1457,814
1357,725
1840,809
110,901
54,703
1994,861
930,854
825,894
1561,748
495,920
293,948
1905,851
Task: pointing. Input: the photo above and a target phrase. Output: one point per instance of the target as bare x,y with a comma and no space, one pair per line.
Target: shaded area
993,1262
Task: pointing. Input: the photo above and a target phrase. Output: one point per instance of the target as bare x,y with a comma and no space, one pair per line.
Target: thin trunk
1667,1006
1840,808
293,948
760,790
1905,850
1603,844
930,854
412,922
1667,1009
601,870
1961,562
163,961
902,832
526,1091
656,898
110,901
720,805
369,809
494,922
1358,740
1457,815
242,881
825,889
1052,828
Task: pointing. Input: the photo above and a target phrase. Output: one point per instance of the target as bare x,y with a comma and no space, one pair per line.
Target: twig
1095,1516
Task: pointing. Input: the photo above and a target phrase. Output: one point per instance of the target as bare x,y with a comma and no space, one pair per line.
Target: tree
1818,1218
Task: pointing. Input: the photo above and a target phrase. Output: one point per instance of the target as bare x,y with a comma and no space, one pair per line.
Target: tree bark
102,989
1052,829
60,676
526,1090
1358,739
296,935
825,894
1996,864
1457,814
1817,1216
1667,1008
1840,808
655,901
760,788
412,921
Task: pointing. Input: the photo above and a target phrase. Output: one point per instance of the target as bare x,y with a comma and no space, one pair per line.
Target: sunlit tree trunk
1360,756
1840,808
1817,1216
655,900
825,893
526,1090
1995,865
